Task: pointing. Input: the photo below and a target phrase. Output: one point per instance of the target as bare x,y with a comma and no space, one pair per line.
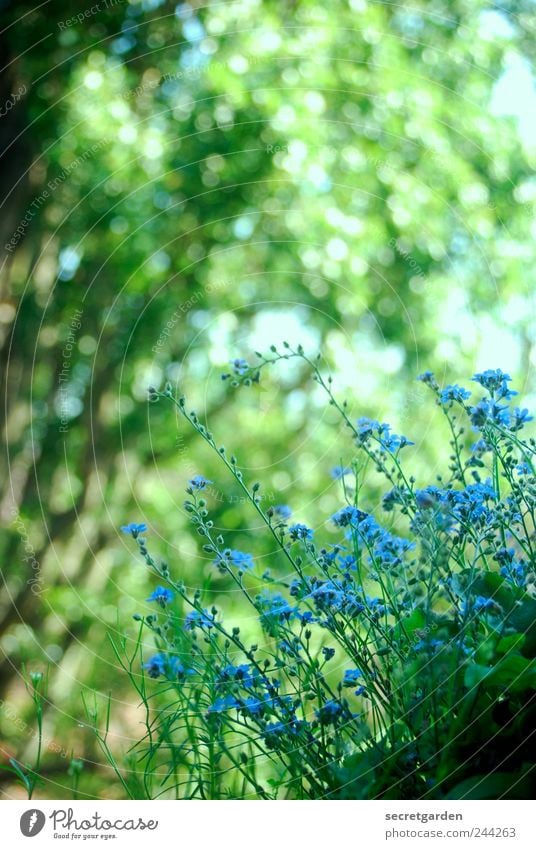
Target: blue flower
396,495
347,561
155,666
162,596
243,674
482,603
199,482
488,410
470,504
241,559
428,378
515,573
348,516
351,677
253,706
328,652
504,556
453,392
240,366
224,703
375,606
328,712
496,382
305,618
339,472
329,596
275,731
512,569
431,646
480,447
367,427
290,647
389,550
233,557
274,609
272,732
479,605
427,498
283,511
198,619
300,532
520,417
368,530
134,529
392,441
177,670
170,667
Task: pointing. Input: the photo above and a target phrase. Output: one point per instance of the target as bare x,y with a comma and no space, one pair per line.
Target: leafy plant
397,662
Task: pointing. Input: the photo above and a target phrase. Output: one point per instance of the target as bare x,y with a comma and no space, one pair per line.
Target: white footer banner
269,825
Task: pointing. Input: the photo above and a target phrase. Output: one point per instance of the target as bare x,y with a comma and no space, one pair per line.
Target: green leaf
504,785
415,622
514,673
523,619
19,770
512,641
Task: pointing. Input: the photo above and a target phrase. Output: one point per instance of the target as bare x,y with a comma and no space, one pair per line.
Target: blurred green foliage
185,182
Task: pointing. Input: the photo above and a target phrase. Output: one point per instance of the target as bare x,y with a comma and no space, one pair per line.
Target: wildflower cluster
391,655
